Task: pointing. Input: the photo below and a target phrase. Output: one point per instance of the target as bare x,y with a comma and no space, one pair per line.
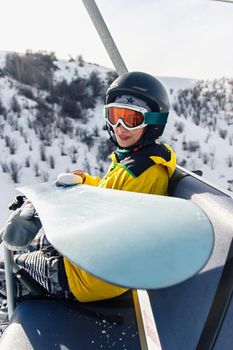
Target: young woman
135,113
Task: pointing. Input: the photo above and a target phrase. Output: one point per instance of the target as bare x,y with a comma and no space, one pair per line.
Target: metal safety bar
10,287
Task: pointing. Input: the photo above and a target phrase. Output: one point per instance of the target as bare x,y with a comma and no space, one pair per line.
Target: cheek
138,134
132,137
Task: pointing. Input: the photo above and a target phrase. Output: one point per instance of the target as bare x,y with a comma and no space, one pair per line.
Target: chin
124,144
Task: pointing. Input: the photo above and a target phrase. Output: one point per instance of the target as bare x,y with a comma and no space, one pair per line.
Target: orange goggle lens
130,117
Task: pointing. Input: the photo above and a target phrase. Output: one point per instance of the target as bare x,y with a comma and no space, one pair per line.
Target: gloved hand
68,179
21,227
17,202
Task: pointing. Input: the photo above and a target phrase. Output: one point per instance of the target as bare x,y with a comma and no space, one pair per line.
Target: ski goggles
132,117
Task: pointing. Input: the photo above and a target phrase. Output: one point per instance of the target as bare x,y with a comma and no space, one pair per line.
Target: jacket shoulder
140,160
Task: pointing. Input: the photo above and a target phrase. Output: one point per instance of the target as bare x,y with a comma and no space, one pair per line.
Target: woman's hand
79,172
21,227
69,179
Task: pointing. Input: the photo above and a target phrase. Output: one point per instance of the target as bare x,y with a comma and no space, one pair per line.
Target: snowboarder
135,113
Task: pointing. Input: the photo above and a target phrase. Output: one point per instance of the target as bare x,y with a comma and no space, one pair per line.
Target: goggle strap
156,118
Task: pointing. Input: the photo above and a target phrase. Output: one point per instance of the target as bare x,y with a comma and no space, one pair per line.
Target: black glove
19,232
16,203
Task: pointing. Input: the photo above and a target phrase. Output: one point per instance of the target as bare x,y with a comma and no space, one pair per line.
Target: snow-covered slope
200,129
177,83
85,146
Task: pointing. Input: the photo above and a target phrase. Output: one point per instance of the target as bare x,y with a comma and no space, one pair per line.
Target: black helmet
143,86
147,88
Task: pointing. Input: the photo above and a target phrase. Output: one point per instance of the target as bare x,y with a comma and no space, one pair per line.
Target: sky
179,38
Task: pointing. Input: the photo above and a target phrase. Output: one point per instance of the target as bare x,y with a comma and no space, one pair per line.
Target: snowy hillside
200,129
39,140
51,122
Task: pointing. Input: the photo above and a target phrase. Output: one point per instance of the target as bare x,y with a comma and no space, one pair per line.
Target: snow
2,59
69,70
214,134
177,83
219,151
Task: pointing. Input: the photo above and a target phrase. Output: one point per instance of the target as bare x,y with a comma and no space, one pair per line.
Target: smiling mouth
124,137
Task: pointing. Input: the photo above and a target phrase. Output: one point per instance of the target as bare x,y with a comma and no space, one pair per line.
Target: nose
120,127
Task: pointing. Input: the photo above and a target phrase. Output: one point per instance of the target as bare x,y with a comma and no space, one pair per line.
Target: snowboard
130,239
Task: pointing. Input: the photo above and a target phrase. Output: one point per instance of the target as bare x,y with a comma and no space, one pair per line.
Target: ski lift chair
195,314
198,313
42,323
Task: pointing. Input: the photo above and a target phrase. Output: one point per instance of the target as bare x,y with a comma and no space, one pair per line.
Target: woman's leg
45,266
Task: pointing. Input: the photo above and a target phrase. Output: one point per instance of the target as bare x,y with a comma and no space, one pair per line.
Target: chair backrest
181,311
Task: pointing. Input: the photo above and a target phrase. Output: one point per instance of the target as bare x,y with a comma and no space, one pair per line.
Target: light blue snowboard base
134,240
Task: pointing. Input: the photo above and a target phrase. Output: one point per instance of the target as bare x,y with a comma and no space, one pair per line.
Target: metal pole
8,258
105,36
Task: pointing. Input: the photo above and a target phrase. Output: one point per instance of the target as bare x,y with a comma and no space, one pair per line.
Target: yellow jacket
147,171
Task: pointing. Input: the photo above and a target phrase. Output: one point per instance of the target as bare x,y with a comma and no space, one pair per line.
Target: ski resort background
51,121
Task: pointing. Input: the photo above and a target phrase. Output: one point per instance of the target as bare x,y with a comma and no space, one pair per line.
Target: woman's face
126,138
